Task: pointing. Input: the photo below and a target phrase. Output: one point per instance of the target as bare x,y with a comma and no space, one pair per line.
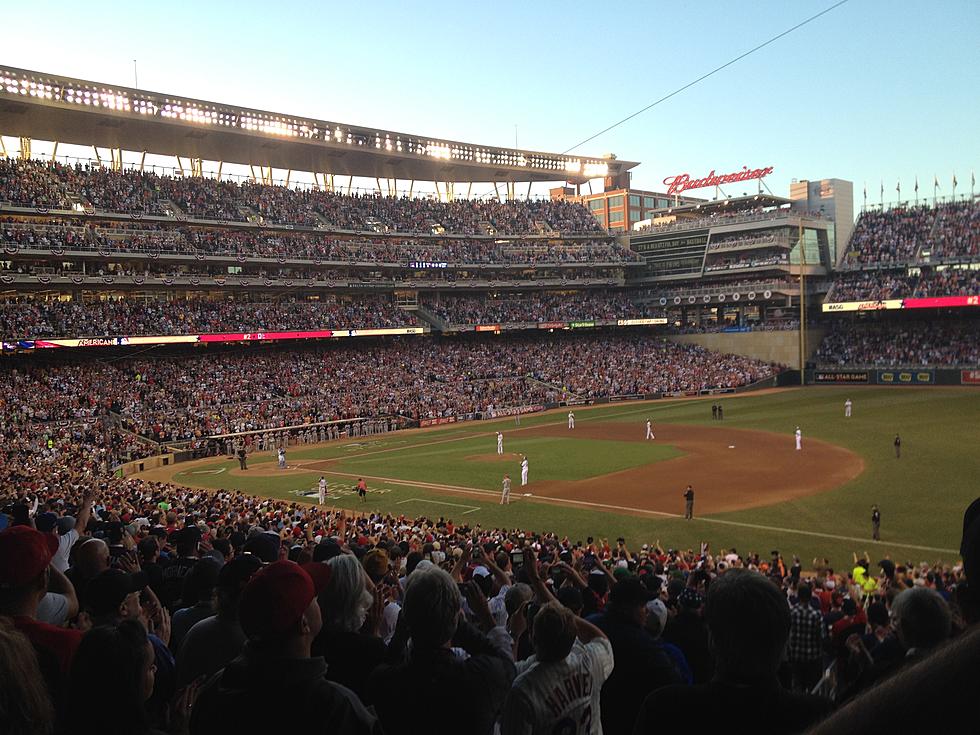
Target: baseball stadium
240,336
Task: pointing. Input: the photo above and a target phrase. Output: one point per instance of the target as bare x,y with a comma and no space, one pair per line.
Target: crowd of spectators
55,185
191,398
536,308
875,285
202,610
902,343
904,234
129,317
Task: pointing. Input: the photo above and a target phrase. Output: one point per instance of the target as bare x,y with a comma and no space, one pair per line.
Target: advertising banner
942,301
579,325
640,322
630,397
863,305
437,421
905,377
551,325
841,376
970,377
512,411
487,327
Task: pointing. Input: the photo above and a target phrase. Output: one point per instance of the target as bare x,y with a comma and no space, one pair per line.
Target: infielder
799,439
500,443
847,408
523,471
282,458
505,495
650,430
323,490
571,420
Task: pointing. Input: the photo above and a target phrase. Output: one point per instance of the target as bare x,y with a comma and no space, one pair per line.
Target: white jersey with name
559,697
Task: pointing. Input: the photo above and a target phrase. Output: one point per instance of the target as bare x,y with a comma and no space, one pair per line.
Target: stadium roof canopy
75,111
749,201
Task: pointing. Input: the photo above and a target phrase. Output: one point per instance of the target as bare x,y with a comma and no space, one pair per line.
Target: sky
875,90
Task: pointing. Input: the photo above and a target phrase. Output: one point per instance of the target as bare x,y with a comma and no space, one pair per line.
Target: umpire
689,503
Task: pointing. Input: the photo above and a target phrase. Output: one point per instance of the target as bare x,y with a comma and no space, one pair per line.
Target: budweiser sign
683,182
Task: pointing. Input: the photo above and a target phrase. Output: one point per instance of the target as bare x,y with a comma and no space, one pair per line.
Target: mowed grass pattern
922,495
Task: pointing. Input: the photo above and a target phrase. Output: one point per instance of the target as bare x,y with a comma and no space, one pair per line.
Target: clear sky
876,89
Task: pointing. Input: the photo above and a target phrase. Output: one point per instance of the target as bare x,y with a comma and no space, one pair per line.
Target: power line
705,76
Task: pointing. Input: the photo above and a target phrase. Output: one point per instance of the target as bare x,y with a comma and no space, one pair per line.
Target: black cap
237,572
629,593
327,549
265,546
107,590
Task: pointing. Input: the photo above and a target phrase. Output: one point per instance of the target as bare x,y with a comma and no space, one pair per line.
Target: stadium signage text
640,322
683,182
420,264
970,377
905,377
579,325
888,304
823,376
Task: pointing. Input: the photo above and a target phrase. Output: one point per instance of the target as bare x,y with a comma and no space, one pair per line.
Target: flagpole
865,196
954,186
802,305
882,195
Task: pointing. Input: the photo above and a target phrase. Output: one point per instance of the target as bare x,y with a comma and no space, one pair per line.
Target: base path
762,469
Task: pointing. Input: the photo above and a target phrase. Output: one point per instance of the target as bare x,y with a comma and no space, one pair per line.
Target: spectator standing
435,690
749,620
641,664
806,638
276,676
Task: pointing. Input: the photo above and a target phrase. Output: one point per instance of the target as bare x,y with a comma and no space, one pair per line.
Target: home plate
528,495
731,446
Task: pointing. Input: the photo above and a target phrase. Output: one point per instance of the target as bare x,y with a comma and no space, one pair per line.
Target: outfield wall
780,347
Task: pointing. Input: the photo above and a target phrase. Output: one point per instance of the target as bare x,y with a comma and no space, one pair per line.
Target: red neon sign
942,301
683,182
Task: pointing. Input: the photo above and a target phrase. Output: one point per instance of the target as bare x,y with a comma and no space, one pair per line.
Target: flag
954,181
935,182
865,189
898,188
883,188
916,184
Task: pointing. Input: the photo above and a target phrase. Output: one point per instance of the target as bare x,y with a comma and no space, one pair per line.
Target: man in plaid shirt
806,635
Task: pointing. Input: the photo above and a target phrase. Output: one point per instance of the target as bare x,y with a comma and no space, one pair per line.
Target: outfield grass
922,495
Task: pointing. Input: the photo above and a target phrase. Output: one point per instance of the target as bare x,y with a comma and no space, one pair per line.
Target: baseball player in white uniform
799,439
323,490
282,458
650,430
847,408
523,471
505,495
500,443
571,420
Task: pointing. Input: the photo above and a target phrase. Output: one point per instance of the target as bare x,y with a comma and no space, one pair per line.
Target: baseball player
847,408
689,503
898,446
523,471
875,523
323,490
799,439
282,458
505,495
500,443
650,430
571,420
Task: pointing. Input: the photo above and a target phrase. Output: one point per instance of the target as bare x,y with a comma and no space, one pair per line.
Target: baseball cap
481,571
277,595
658,609
46,522
107,590
238,571
264,545
65,524
571,597
24,554
629,593
327,549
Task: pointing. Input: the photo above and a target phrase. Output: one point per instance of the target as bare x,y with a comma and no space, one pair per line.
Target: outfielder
323,490
505,495
650,430
571,420
500,443
523,471
847,408
799,439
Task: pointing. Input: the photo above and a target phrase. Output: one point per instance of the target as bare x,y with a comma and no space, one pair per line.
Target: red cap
24,554
277,595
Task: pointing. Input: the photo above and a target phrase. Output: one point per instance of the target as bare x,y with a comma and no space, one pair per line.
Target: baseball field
753,489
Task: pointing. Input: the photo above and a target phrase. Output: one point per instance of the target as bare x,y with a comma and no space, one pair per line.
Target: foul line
472,508
643,511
